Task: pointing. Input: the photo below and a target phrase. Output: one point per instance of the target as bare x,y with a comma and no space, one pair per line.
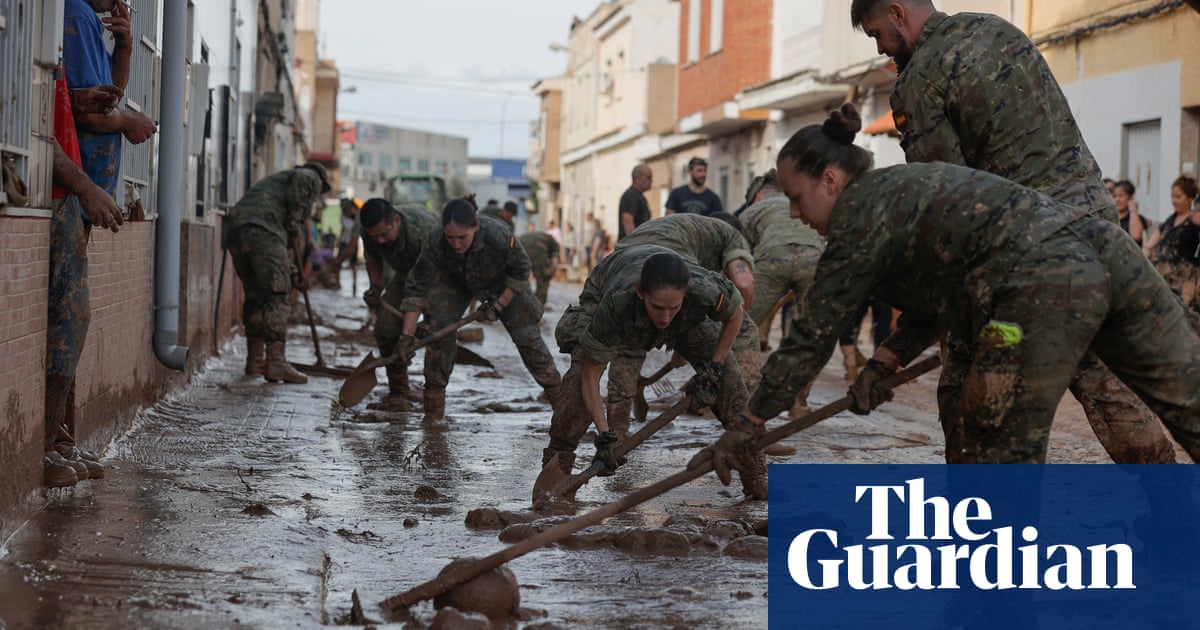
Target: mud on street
236,503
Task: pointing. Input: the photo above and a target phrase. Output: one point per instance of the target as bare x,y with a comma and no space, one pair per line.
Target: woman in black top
1173,249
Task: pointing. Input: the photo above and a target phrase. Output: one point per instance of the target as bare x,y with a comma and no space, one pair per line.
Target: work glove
406,348
733,450
706,385
373,295
489,310
868,390
604,453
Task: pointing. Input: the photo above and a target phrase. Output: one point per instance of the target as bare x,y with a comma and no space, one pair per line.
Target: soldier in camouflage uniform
716,244
471,256
642,297
264,224
393,237
542,250
503,213
1031,282
974,90
785,255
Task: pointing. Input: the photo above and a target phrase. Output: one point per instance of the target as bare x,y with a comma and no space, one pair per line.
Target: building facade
371,153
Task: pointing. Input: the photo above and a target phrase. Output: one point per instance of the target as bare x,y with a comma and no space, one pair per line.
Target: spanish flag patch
900,119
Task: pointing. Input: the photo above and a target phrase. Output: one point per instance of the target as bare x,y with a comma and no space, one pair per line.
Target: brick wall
744,58
24,268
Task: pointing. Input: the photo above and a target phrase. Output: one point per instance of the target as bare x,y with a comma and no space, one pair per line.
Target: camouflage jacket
278,203
769,224
933,240
495,214
978,93
616,317
540,247
493,262
401,254
711,242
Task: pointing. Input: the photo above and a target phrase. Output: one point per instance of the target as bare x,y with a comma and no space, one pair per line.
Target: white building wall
1145,94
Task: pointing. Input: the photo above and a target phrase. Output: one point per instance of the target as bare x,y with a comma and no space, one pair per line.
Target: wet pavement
236,503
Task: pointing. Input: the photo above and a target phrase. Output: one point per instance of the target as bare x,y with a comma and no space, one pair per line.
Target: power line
436,84
395,116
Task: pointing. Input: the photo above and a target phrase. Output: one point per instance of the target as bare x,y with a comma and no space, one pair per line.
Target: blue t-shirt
683,200
88,64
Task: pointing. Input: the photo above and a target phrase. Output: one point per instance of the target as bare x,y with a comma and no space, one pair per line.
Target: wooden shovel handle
466,572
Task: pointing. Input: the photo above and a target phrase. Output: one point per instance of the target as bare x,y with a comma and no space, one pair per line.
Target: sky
460,67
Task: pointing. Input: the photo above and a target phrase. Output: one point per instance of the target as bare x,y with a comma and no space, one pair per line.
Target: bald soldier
716,244
973,90
393,239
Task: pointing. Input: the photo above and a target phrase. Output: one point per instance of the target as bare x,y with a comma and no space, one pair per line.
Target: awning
885,124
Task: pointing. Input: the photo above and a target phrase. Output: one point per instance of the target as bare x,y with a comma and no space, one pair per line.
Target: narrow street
236,503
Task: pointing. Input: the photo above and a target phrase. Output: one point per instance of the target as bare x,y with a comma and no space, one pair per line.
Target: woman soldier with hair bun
1029,282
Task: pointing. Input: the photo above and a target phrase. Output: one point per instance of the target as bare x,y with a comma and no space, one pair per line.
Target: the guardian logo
955,548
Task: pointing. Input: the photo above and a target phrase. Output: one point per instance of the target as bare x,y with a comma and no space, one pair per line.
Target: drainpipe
170,185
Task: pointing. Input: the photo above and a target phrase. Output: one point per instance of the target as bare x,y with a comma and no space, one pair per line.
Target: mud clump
728,530
681,521
410,522
760,527
470,335
453,619
520,531
494,594
257,509
427,494
593,538
491,518
780,450
747,548
660,541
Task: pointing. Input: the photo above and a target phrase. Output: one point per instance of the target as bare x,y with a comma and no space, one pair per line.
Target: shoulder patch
900,119
512,241
720,301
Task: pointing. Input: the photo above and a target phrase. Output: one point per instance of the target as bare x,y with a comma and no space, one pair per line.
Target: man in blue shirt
694,196
88,64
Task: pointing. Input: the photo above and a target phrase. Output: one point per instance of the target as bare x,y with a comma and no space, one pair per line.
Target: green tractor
420,190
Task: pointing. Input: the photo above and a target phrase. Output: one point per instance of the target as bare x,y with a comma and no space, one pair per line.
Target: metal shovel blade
547,482
360,382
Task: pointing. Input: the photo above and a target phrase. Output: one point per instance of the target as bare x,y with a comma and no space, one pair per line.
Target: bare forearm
68,174
627,222
729,332
410,322
742,276
120,66
590,383
112,122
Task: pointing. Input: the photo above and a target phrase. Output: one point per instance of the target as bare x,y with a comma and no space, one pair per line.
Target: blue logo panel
923,546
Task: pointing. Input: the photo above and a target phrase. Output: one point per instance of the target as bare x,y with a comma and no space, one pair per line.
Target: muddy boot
852,359
566,459
397,398
435,404
800,405
278,369
80,468
754,484
94,469
58,473
256,358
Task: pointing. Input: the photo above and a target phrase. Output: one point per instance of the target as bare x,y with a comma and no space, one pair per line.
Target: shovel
362,380
640,406
552,484
467,571
462,356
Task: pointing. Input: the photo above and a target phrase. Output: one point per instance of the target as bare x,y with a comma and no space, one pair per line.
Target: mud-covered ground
239,503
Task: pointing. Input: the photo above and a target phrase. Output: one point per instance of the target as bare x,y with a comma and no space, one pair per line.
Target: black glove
733,450
868,390
489,310
604,453
706,385
373,295
406,348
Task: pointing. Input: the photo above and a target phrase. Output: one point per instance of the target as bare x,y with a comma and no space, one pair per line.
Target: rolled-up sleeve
517,266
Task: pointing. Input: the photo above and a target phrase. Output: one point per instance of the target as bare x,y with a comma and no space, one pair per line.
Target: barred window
141,96
16,75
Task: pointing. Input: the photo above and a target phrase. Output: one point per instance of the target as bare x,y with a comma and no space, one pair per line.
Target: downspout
170,185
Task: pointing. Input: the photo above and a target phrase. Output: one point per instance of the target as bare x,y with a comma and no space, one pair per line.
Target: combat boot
81,471
754,482
58,474
256,359
566,459
278,368
435,404
95,470
398,396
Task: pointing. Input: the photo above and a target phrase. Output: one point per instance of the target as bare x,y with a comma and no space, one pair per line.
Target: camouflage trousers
542,278
1087,287
262,264
777,271
388,327
69,313
626,369
571,419
446,304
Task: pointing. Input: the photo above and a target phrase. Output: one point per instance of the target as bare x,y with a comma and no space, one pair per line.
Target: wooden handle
466,572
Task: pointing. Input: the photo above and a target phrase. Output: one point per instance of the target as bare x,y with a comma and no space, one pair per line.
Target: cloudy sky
462,67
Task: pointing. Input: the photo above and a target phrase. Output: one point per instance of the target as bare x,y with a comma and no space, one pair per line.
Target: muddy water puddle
237,503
